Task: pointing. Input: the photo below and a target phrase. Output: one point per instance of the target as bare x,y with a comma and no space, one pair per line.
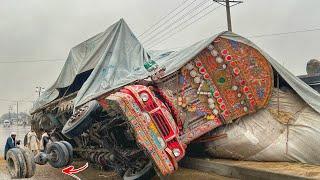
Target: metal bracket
222,2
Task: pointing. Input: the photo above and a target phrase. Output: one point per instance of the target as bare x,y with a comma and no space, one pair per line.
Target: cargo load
287,130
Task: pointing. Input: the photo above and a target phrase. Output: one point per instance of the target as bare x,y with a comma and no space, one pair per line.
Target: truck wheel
145,173
70,150
41,158
59,155
16,163
30,163
81,120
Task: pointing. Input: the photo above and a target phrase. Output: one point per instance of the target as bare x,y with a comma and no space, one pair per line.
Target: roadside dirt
298,169
46,172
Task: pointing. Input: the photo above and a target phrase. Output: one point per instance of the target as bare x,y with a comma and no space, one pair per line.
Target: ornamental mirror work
225,81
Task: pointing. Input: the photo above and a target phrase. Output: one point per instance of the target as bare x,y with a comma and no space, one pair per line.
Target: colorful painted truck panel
225,81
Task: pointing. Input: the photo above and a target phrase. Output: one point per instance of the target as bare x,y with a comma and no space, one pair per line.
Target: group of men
32,142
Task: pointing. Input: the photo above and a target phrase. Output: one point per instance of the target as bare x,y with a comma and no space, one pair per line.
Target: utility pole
17,111
10,108
228,15
226,3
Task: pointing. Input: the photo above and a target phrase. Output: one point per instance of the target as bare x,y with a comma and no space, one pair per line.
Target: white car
6,123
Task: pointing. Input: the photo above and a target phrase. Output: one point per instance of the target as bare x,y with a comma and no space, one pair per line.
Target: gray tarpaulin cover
118,57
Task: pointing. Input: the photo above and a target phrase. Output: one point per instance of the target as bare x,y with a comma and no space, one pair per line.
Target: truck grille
162,124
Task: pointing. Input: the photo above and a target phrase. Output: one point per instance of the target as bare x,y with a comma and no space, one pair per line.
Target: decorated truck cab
141,121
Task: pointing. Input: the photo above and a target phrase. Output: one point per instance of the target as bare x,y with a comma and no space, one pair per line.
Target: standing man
11,143
44,141
33,142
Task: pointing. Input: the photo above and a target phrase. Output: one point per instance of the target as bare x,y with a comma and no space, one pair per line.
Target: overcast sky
48,29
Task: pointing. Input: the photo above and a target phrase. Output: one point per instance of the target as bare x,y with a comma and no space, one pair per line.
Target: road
46,172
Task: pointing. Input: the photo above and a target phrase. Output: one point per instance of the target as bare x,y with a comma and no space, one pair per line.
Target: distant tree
313,67
13,115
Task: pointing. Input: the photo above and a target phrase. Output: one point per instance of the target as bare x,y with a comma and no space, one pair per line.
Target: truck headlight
144,97
176,152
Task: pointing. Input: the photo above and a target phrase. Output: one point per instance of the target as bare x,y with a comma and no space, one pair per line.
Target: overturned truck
135,111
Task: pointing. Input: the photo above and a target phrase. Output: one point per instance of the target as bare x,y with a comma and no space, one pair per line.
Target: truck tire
81,120
41,158
70,150
59,155
30,163
16,163
145,173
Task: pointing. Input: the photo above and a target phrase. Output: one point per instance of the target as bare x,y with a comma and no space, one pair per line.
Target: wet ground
46,172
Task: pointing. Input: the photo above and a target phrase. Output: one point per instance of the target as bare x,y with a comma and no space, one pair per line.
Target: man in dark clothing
11,143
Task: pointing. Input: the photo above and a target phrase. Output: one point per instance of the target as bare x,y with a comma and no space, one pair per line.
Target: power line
164,17
11,101
6,100
272,34
169,26
31,61
284,33
187,25
174,28
157,26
